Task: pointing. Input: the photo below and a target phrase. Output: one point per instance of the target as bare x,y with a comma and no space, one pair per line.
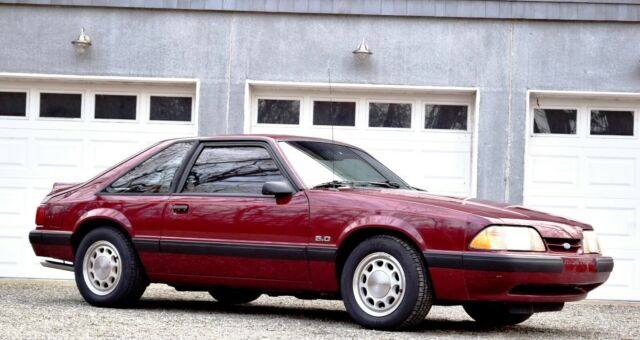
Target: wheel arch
93,221
351,240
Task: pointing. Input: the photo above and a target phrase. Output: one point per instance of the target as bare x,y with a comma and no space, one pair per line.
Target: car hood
549,226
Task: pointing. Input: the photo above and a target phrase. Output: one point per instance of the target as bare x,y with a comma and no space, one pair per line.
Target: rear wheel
107,270
385,284
494,314
230,296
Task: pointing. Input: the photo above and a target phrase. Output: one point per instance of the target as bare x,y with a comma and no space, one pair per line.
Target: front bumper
508,277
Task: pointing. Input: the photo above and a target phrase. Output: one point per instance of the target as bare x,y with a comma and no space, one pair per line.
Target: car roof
261,137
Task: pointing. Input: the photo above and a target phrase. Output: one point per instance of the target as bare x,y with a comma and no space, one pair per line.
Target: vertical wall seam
507,170
229,64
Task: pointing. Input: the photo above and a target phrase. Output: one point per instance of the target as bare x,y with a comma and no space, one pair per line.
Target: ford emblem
566,246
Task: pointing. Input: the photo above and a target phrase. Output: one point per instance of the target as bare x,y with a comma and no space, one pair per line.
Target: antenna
333,117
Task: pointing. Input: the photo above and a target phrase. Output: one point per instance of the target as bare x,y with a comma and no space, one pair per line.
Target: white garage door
583,161
68,130
424,135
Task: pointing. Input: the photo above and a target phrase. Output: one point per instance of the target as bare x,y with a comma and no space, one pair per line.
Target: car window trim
194,156
102,191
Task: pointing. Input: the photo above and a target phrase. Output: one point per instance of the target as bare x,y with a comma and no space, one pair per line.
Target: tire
494,314
229,296
372,279
107,270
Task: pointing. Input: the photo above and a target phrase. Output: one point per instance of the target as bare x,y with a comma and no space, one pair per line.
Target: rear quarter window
154,175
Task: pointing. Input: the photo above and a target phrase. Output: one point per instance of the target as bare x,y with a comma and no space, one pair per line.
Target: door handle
180,208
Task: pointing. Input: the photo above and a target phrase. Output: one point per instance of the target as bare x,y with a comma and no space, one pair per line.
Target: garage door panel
613,222
611,173
58,153
556,170
14,153
10,251
445,172
107,152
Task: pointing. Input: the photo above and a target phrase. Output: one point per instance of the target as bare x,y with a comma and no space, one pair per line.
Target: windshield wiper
337,184
333,184
385,184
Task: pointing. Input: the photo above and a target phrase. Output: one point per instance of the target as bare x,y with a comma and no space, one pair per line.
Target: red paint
430,222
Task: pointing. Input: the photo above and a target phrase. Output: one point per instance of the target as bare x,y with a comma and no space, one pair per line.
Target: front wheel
494,314
385,284
107,270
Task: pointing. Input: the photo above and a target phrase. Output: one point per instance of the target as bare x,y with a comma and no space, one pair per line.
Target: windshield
321,164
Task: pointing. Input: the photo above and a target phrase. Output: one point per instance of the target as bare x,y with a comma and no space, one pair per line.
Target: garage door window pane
238,170
153,175
555,121
613,123
13,104
115,107
445,117
334,113
175,109
389,115
60,105
273,111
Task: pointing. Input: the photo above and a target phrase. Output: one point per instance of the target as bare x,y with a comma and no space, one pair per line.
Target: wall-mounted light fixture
82,42
362,52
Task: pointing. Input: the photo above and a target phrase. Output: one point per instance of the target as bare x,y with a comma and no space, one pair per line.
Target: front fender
384,222
105,214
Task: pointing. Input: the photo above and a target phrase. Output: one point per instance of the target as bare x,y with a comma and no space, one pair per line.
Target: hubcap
379,284
101,267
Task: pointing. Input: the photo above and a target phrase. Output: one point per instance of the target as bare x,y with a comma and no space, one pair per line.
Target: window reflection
275,111
390,115
13,104
556,121
334,113
241,169
153,175
176,109
60,105
446,117
614,123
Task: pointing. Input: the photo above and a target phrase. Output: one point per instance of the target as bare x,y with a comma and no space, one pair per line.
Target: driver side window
232,170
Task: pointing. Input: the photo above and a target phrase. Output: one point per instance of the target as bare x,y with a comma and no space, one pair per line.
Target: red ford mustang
241,216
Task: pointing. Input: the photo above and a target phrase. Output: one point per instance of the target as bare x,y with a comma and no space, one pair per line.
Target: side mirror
277,188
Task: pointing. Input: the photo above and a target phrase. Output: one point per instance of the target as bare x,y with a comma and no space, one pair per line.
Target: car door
219,224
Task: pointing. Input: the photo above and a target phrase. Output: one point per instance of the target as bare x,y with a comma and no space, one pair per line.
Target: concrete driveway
54,309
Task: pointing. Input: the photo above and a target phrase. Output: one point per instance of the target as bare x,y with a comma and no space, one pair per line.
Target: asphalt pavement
54,309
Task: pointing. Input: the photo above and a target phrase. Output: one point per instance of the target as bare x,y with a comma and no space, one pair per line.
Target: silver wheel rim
379,284
101,267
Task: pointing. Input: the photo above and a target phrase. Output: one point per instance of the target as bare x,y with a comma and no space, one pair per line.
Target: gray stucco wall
503,58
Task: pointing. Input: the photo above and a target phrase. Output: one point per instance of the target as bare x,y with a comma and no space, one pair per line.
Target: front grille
558,245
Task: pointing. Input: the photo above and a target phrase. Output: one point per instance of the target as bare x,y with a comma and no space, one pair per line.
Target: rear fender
105,214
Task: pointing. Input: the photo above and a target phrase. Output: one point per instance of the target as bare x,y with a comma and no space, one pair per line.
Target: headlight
590,244
508,238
